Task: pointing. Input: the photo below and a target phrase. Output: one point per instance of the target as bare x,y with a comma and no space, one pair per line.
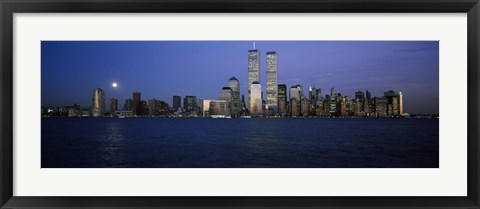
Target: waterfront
239,143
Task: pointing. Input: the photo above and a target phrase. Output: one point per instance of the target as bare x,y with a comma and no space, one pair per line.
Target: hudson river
239,143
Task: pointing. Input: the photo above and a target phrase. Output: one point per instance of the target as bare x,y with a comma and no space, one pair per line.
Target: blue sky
160,69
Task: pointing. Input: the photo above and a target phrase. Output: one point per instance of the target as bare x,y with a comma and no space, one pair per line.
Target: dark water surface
239,143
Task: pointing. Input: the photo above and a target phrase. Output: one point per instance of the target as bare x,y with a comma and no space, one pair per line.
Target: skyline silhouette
161,69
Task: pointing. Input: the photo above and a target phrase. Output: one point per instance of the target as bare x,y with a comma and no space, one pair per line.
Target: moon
114,85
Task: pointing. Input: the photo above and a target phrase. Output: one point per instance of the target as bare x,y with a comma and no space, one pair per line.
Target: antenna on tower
254,45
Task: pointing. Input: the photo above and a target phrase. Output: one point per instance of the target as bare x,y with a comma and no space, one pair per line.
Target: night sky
71,70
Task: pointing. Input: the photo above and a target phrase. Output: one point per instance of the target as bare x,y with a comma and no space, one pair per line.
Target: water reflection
113,145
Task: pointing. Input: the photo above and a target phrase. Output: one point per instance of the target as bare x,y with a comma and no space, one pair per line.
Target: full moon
114,85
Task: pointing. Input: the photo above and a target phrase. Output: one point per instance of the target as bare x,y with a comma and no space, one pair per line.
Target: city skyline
420,98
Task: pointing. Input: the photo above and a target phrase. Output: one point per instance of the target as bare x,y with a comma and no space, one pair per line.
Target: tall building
227,95
236,105
98,102
190,104
393,103
272,81
244,106
143,108
333,102
313,98
341,107
360,97
128,105
400,98
294,107
296,92
369,102
152,107
137,103
296,95
113,105
380,106
206,107
176,103
356,107
253,71
312,95
326,106
304,106
348,104
282,99
319,97
256,99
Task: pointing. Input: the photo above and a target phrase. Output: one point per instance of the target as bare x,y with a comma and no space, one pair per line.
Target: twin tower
255,93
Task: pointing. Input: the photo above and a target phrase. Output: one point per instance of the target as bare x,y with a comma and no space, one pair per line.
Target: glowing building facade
282,99
272,81
206,107
253,71
219,107
98,102
400,97
256,99
236,106
227,95
296,94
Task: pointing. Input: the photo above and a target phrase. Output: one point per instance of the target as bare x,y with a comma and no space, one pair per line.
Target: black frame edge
241,6
8,7
473,104
6,107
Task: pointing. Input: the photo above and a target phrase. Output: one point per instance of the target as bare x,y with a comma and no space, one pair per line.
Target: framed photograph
236,104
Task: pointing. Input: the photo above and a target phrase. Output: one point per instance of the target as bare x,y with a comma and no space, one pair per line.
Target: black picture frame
9,7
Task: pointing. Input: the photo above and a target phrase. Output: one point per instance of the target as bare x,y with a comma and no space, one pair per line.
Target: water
239,143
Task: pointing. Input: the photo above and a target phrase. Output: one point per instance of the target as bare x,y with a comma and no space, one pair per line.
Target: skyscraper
294,107
296,92
272,81
393,103
227,95
341,107
206,107
296,95
128,104
253,71
190,104
256,99
369,102
137,103
360,97
304,106
282,99
380,106
98,102
152,107
244,106
143,108
333,101
236,106
313,98
113,105
400,98
176,102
